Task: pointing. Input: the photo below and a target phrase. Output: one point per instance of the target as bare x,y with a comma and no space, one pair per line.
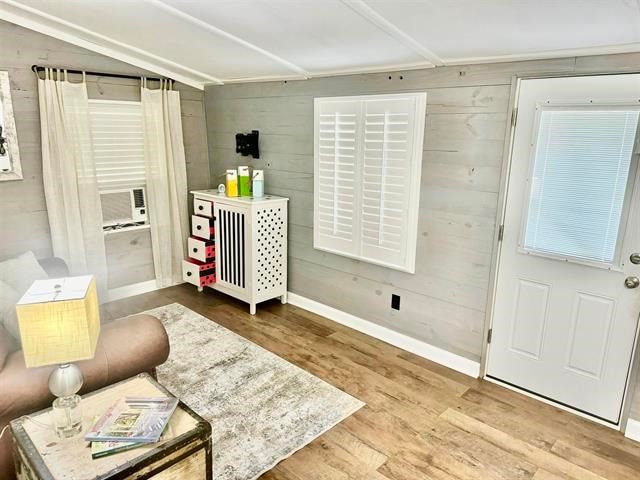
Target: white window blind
118,143
368,155
579,181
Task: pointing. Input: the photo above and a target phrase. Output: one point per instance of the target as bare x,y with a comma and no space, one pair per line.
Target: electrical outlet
395,301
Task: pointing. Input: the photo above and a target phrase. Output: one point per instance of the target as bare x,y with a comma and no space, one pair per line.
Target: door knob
635,258
632,282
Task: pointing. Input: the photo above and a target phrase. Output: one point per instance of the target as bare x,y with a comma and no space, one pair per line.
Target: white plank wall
23,218
467,112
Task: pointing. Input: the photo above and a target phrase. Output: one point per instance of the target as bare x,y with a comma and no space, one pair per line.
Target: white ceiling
222,41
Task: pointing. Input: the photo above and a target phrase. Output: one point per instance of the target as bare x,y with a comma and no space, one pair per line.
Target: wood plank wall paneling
23,221
467,116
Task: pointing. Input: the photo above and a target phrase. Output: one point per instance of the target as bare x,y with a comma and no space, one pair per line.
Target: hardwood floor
422,420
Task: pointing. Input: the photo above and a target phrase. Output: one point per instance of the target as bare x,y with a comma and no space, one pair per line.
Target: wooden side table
40,454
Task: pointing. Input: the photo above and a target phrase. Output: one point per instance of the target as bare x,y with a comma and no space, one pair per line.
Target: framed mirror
9,155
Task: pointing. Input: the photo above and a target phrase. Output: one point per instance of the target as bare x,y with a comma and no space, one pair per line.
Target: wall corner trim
400,340
131,290
632,430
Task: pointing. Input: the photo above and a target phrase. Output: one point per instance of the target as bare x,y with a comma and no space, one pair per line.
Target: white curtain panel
166,181
71,192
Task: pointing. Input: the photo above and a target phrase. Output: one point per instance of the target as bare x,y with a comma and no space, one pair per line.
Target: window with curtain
368,156
582,159
118,144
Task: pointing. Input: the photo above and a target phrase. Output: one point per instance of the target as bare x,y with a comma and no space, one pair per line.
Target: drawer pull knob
200,207
199,227
188,274
195,250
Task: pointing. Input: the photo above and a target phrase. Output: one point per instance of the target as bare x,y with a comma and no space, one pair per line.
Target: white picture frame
10,168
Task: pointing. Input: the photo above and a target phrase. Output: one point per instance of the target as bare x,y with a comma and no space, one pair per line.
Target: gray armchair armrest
54,266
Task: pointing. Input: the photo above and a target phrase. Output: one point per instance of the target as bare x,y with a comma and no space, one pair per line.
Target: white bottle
258,183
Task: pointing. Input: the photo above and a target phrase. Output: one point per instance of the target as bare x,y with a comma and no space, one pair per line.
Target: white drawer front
202,207
200,227
190,273
197,249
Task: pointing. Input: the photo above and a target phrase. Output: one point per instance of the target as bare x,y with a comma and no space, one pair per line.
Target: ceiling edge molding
368,13
212,28
546,55
333,73
55,27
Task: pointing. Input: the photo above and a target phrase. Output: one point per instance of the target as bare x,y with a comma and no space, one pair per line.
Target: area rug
261,408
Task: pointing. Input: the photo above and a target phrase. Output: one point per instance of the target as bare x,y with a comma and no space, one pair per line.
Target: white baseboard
400,340
131,290
633,430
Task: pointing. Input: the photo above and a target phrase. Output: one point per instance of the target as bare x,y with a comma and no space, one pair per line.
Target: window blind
118,144
579,180
368,153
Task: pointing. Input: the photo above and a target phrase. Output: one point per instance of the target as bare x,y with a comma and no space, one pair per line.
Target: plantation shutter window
368,154
118,144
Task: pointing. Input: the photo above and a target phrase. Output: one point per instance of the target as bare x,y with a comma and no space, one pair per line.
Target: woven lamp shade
59,321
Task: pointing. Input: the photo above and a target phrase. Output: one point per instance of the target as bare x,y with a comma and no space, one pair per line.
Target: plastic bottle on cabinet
258,183
232,183
244,181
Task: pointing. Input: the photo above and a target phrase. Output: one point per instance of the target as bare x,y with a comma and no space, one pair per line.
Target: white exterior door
566,307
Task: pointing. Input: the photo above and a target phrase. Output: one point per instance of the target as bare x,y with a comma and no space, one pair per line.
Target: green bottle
244,181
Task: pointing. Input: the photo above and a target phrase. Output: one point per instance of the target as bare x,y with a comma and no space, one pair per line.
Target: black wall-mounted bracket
247,144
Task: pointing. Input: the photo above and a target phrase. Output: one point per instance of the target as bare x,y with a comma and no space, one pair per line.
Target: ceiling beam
56,27
207,26
368,13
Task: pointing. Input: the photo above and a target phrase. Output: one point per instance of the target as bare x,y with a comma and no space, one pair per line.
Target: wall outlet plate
395,301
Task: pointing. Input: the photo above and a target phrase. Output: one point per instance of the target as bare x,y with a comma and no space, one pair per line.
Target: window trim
415,171
586,104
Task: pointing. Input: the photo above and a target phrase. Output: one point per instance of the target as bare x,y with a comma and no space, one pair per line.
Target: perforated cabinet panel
271,249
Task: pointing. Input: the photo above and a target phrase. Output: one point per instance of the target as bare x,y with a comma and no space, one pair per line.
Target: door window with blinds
580,182
367,166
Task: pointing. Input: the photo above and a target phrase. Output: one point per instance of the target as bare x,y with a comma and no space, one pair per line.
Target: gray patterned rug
262,408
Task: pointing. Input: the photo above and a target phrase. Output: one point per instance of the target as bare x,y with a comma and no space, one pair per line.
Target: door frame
633,375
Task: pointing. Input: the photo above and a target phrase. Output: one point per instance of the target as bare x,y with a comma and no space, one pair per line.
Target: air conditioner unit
123,207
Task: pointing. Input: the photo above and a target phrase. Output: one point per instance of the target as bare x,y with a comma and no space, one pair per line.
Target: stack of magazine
129,423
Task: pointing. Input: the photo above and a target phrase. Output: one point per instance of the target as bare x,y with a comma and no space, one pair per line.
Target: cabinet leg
252,308
283,299
200,289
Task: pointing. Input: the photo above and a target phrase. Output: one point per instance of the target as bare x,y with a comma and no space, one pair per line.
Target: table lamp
59,322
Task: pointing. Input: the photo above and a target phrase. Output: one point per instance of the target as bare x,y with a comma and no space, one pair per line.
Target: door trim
633,374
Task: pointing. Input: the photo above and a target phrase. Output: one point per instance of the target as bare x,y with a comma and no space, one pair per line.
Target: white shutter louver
368,154
336,171
118,144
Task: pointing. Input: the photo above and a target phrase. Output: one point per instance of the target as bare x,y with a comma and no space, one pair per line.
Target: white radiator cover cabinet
251,246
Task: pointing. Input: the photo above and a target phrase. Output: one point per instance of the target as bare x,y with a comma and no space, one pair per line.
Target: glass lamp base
67,416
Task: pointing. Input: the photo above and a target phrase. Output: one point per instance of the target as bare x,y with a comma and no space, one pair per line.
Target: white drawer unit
201,250
203,207
250,246
202,227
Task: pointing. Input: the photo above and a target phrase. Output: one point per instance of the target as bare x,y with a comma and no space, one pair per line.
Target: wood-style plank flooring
422,420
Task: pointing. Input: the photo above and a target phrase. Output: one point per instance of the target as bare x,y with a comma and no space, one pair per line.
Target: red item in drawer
198,273
200,249
203,266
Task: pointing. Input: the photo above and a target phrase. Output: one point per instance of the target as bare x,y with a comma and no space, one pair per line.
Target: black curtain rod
38,68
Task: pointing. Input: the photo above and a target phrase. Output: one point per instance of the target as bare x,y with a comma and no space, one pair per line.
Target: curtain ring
84,77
